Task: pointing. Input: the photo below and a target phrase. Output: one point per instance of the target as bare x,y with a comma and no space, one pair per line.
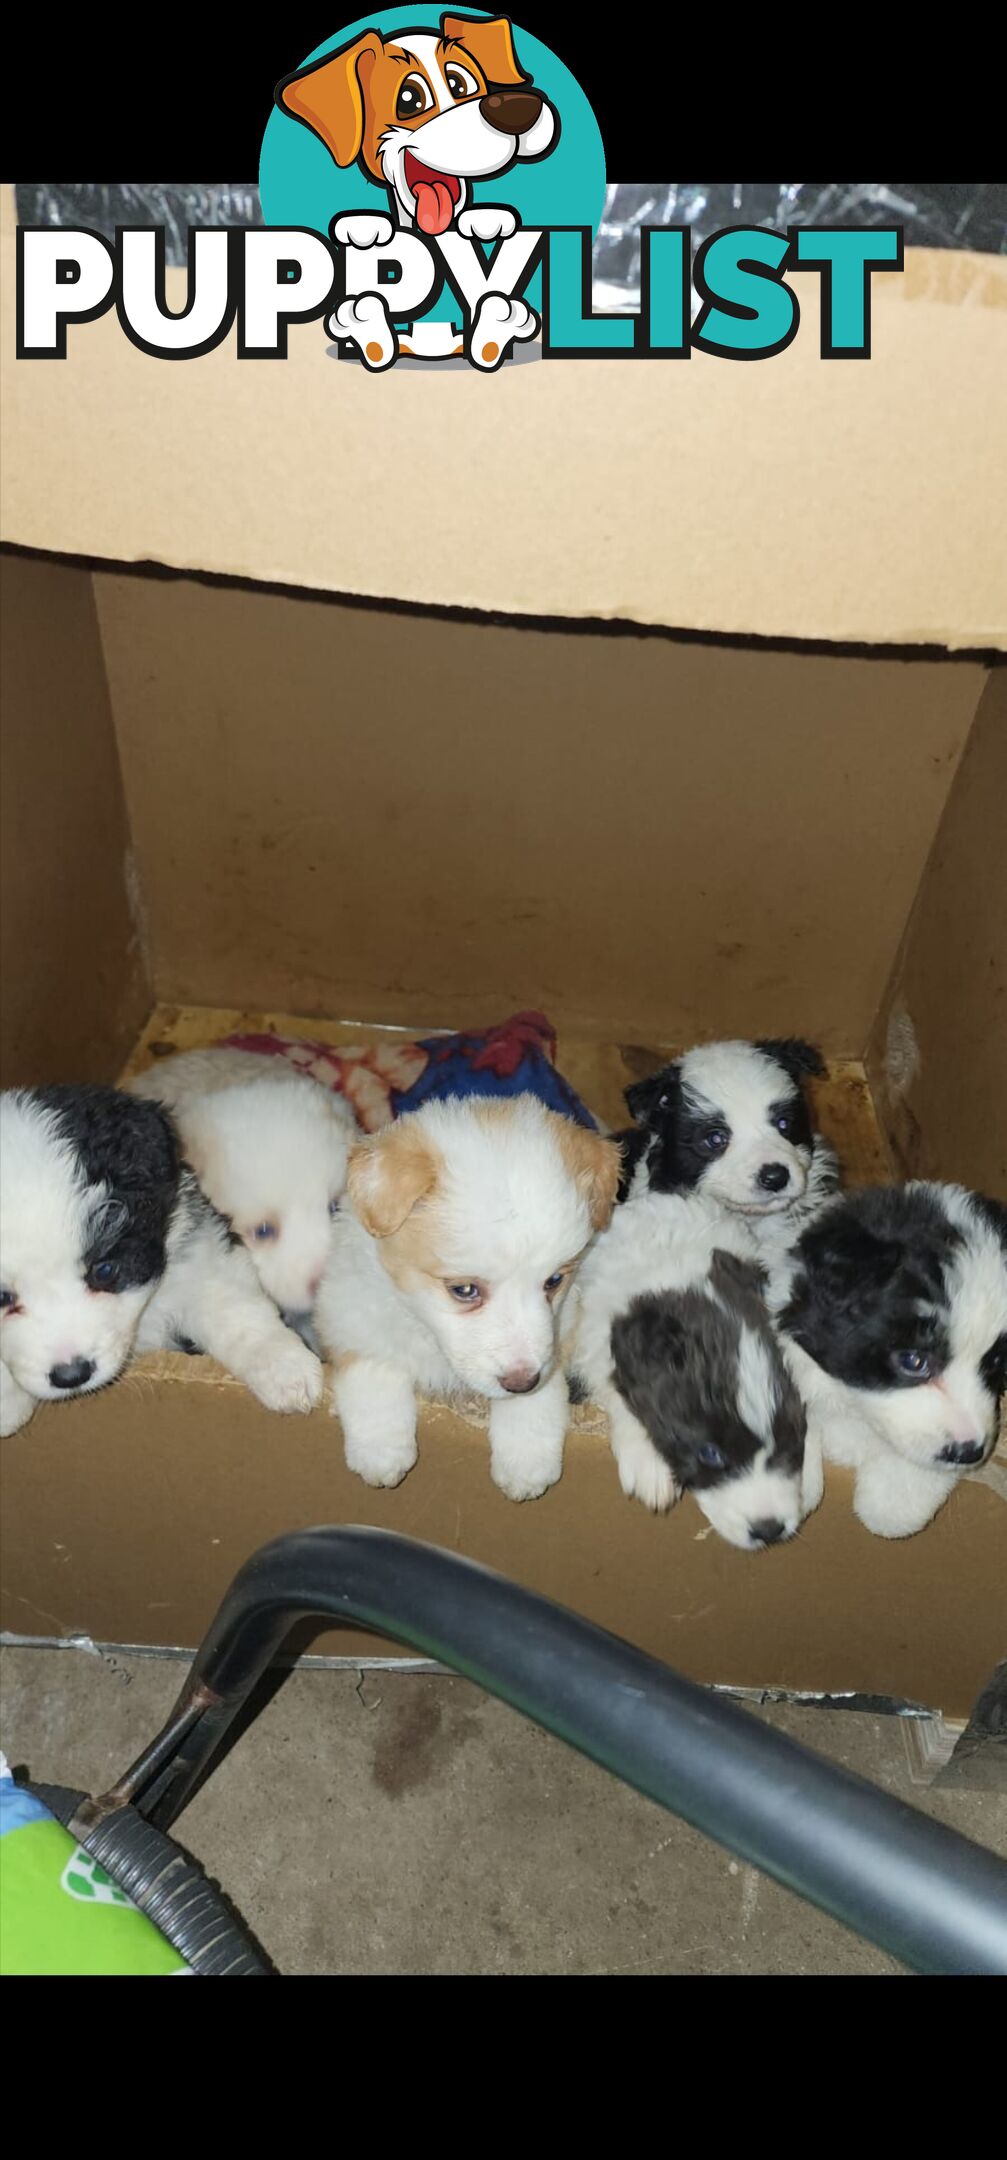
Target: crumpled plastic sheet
949,216
973,217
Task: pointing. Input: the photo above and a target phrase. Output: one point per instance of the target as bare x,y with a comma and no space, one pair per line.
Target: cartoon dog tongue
434,204
434,195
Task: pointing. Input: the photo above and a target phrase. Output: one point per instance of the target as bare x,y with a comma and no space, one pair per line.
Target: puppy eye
102,1275
711,1456
263,1231
784,1125
8,1300
715,1141
334,1206
552,1282
466,1293
459,83
915,1364
413,98
664,1102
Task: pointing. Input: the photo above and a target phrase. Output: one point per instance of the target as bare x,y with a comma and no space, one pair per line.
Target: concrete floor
405,1823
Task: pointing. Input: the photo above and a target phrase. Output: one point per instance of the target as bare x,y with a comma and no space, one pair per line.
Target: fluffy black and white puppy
730,1120
894,1309
108,1246
669,1333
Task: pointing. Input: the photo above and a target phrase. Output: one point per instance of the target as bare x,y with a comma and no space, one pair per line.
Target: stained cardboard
129,1514
643,837
938,1058
74,979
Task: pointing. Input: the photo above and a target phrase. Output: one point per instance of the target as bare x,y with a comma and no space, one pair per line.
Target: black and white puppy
730,1120
108,1246
894,1309
670,1335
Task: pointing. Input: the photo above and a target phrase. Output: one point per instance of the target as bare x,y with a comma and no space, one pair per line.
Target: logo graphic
431,185
410,141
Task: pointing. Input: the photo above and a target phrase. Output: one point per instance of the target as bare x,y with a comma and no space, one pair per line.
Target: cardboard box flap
772,500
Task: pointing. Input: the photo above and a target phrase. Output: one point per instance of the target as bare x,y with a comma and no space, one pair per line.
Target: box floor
599,1070
391,1823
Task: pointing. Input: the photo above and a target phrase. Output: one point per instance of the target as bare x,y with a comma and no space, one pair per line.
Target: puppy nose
773,1176
521,1379
512,111
768,1530
72,1374
962,1451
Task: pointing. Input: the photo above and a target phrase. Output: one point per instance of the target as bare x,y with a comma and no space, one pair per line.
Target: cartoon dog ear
388,1174
328,96
646,1096
491,45
798,1059
594,1164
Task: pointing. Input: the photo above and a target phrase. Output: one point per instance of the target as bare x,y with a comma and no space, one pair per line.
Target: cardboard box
663,698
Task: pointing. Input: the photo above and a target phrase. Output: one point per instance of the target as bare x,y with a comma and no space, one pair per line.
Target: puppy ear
994,1214
648,1334
800,1060
491,45
328,96
731,1275
389,1174
594,1164
644,1097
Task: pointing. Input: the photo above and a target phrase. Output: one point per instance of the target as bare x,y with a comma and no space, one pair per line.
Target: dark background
169,93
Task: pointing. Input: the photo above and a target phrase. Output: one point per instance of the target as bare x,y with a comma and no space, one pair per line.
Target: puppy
464,1224
730,1120
271,1156
894,1304
668,1331
107,1246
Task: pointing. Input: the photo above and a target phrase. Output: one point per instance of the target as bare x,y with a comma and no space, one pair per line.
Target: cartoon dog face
425,115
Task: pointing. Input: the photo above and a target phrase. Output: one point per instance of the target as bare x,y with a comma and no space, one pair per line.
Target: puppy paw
813,1478
289,1379
898,1503
362,229
643,1476
363,322
525,1478
15,1405
495,325
486,221
381,1459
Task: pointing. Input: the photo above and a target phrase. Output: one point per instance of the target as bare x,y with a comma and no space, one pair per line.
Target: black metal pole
929,1897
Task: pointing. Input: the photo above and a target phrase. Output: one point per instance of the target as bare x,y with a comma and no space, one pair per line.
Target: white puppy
107,1246
271,1155
464,1225
668,1332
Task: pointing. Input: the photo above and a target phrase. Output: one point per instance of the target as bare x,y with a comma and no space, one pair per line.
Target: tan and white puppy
463,1228
270,1154
424,117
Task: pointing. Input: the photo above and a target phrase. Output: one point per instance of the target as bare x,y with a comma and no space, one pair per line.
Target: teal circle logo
358,142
